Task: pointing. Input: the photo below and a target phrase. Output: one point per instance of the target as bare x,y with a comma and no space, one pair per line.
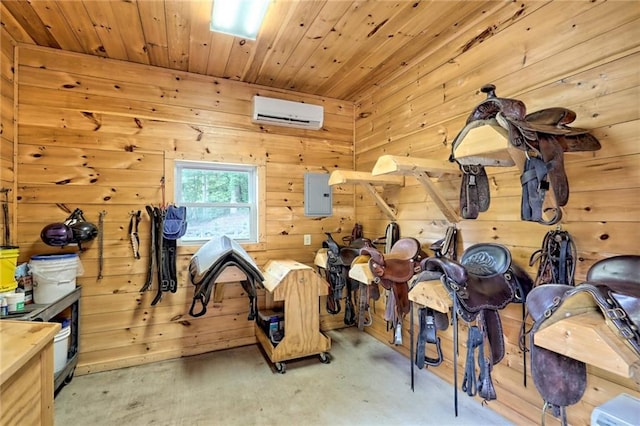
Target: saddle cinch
544,136
483,282
612,287
393,271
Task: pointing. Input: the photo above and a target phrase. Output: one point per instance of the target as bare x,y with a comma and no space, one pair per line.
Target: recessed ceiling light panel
240,18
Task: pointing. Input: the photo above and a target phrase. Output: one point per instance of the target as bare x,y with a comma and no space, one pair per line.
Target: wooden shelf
587,338
300,287
369,182
423,170
431,294
350,176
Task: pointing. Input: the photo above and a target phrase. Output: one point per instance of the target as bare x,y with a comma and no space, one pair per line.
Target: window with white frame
221,199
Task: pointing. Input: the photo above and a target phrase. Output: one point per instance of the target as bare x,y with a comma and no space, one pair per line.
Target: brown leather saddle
483,282
612,287
544,136
339,259
393,271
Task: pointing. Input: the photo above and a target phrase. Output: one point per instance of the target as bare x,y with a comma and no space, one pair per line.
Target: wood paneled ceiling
333,48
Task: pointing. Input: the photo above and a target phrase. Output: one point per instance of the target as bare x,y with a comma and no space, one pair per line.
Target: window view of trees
219,201
211,186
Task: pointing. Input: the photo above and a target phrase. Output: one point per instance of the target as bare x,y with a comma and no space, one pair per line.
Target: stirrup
434,362
556,411
368,319
397,336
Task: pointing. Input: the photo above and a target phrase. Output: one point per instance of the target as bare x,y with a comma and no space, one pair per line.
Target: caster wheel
68,379
280,367
325,358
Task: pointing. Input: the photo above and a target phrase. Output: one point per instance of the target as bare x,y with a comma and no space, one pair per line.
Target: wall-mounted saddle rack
587,338
423,170
489,146
369,183
431,294
230,274
359,271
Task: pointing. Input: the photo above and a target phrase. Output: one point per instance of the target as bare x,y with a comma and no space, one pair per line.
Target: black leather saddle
483,282
339,260
210,260
613,288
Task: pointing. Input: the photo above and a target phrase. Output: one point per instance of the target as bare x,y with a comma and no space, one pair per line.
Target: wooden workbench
26,372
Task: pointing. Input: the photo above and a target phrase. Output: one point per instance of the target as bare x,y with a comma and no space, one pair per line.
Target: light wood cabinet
26,372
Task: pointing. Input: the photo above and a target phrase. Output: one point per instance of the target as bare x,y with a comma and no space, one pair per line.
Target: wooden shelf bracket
423,170
369,183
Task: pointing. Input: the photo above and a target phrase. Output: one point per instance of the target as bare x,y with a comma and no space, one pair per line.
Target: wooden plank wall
7,131
582,55
100,134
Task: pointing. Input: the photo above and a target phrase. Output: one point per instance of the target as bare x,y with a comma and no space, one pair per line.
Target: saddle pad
175,222
215,251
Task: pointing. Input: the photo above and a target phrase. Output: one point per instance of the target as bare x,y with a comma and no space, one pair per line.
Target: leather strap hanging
5,217
103,213
134,220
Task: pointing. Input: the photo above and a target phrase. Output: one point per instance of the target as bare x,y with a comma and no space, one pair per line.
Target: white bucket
54,276
61,348
15,302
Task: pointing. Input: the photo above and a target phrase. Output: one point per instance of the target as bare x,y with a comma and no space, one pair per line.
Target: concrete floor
366,383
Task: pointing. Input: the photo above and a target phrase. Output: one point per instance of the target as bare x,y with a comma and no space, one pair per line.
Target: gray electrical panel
318,197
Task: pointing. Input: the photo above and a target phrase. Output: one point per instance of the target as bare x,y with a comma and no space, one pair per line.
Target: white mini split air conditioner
287,113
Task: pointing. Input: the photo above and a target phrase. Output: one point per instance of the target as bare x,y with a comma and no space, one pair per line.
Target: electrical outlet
307,239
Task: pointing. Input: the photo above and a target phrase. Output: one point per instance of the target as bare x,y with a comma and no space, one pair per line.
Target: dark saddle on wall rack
210,260
394,270
544,136
484,281
430,321
339,260
613,288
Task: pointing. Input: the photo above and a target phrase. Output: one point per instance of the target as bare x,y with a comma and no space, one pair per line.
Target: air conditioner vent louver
287,113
